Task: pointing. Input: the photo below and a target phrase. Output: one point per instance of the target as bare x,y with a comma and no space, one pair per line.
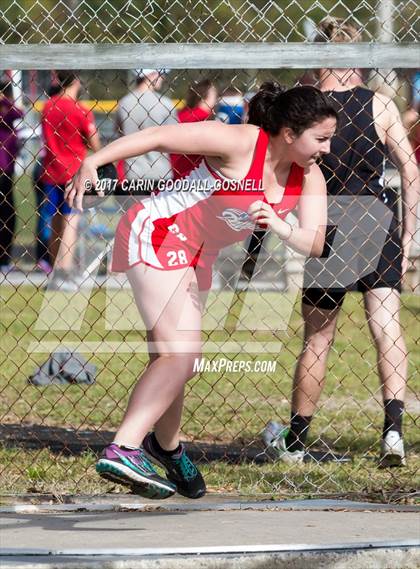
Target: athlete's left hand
264,216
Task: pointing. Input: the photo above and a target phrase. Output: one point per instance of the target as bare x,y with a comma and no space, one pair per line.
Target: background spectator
9,114
142,108
43,215
69,130
199,106
370,126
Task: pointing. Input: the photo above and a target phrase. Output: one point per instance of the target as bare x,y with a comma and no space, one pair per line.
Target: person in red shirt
69,130
199,104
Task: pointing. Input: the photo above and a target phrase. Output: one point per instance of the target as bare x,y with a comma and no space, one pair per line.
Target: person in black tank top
364,251
356,163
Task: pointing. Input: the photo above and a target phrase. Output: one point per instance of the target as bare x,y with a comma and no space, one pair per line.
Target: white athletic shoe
392,450
63,281
274,436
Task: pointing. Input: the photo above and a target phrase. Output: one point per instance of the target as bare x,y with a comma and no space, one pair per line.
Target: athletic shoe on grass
131,468
179,469
392,450
274,436
63,281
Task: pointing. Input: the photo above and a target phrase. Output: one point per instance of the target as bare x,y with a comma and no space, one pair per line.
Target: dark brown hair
197,92
66,77
273,108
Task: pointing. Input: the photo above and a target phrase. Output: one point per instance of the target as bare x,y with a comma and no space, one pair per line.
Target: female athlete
251,174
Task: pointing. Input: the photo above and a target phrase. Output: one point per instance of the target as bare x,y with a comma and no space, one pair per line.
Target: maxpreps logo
237,219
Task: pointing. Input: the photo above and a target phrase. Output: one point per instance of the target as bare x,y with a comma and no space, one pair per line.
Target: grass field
219,408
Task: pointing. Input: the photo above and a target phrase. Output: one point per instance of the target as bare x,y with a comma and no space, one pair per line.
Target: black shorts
387,274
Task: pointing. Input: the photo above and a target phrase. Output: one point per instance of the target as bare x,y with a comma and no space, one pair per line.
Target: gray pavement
210,534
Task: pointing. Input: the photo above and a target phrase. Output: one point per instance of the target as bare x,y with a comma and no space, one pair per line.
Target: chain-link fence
56,419
157,21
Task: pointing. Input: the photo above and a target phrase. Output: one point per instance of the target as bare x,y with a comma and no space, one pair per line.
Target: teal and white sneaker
392,450
132,468
274,436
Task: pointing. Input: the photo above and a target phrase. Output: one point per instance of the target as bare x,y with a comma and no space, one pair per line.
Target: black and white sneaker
392,450
179,469
274,437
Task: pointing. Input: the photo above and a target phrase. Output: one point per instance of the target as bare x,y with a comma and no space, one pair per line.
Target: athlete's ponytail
273,108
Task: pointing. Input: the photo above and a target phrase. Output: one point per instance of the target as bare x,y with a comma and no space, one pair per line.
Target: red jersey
66,124
176,229
182,164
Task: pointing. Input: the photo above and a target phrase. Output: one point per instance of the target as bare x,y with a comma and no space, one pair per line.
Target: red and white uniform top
177,229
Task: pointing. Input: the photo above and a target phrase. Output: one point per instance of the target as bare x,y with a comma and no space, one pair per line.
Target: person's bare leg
69,236
167,428
162,306
382,307
308,381
63,240
56,232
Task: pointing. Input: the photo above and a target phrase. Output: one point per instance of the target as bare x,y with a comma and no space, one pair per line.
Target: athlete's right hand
84,180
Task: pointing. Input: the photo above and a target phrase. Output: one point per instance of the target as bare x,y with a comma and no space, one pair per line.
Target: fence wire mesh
53,429
88,21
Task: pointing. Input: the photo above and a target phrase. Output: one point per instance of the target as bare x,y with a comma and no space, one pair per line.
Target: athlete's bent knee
184,363
319,343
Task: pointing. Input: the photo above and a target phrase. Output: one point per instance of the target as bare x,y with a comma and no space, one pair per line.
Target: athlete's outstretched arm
205,138
309,236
